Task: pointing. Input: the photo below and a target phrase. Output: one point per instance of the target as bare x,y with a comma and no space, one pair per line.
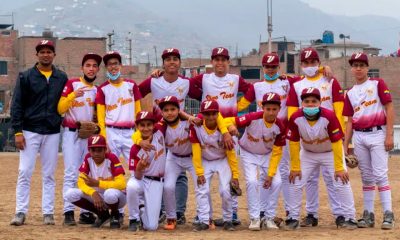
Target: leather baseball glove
351,161
235,190
87,129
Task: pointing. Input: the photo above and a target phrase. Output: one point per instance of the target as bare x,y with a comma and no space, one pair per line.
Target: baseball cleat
48,219
162,217
291,224
101,220
180,218
235,219
86,218
350,224
269,224
262,214
228,226
121,218
18,220
69,219
115,222
171,224
219,222
340,222
309,221
255,224
134,225
367,220
201,227
388,220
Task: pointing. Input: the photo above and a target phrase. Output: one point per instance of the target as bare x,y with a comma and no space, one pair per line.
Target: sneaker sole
16,224
69,224
255,229
102,225
387,227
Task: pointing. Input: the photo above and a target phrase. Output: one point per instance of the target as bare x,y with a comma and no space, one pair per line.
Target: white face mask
310,71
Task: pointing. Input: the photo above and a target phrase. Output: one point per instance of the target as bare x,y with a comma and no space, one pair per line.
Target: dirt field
35,230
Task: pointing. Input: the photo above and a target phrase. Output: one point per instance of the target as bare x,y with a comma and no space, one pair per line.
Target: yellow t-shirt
47,74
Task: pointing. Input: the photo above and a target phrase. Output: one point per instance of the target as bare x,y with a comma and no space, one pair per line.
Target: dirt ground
35,230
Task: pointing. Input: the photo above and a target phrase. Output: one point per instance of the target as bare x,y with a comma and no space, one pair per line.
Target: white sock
386,198
369,198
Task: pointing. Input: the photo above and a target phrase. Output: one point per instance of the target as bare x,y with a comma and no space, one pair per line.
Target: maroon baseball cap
112,54
93,56
170,51
308,53
220,51
45,43
271,98
359,57
144,115
168,100
209,106
97,141
270,59
310,92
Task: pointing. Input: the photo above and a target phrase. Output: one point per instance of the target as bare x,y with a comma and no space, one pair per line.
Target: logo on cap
207,104
357,55
170,50
220,50
310,90
167,98
270,96
308,53
95,139
143,115
44,42
270,59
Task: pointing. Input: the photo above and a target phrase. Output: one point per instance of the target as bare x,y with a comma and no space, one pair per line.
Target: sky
388,8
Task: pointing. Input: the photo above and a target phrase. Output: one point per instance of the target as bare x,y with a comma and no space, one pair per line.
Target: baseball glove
235,190
87,129
351,161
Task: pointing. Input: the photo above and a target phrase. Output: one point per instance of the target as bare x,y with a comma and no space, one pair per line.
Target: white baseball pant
74,150
235,200
310,162
120,141
47,146
110,196
221,167
373,163
149,192
173,167
251,163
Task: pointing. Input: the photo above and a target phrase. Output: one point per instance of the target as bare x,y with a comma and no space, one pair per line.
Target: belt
158,179
109,126
71,129
371,129
181,156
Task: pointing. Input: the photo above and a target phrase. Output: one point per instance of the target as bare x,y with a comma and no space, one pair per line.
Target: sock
386,197
369,198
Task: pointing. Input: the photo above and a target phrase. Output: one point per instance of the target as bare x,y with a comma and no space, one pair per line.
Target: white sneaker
269,224
255,224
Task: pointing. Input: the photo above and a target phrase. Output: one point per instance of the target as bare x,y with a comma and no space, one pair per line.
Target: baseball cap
209,106
270,59
271,98
220,51
45,43
144,115
97,141
308,53
168,100
170,51
359,57
310,92
93,56
112,54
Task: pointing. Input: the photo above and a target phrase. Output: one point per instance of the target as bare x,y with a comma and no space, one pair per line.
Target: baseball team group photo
200,153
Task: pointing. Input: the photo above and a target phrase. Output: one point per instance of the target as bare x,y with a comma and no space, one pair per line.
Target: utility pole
269,13
155,52
200,52
110,41
342,36
129,50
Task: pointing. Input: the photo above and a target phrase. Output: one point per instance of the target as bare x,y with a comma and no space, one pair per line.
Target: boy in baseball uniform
101,184
369,108
261,148
209,157
332,99
319,133
77,104
145,186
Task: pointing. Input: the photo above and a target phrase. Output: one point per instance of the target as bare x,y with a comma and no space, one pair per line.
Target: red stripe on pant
368,188
384,188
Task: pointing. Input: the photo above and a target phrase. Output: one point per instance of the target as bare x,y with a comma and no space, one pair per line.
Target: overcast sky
389,8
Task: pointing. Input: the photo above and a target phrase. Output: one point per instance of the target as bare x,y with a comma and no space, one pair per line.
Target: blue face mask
311,111
268,78
113,77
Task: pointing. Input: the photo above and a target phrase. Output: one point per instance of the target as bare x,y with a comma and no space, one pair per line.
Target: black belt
181,156
72,129
368,129
158,179
109,126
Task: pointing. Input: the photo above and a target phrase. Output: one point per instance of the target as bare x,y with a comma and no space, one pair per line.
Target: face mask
113,77
89,80
268,78
311,111
310,71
